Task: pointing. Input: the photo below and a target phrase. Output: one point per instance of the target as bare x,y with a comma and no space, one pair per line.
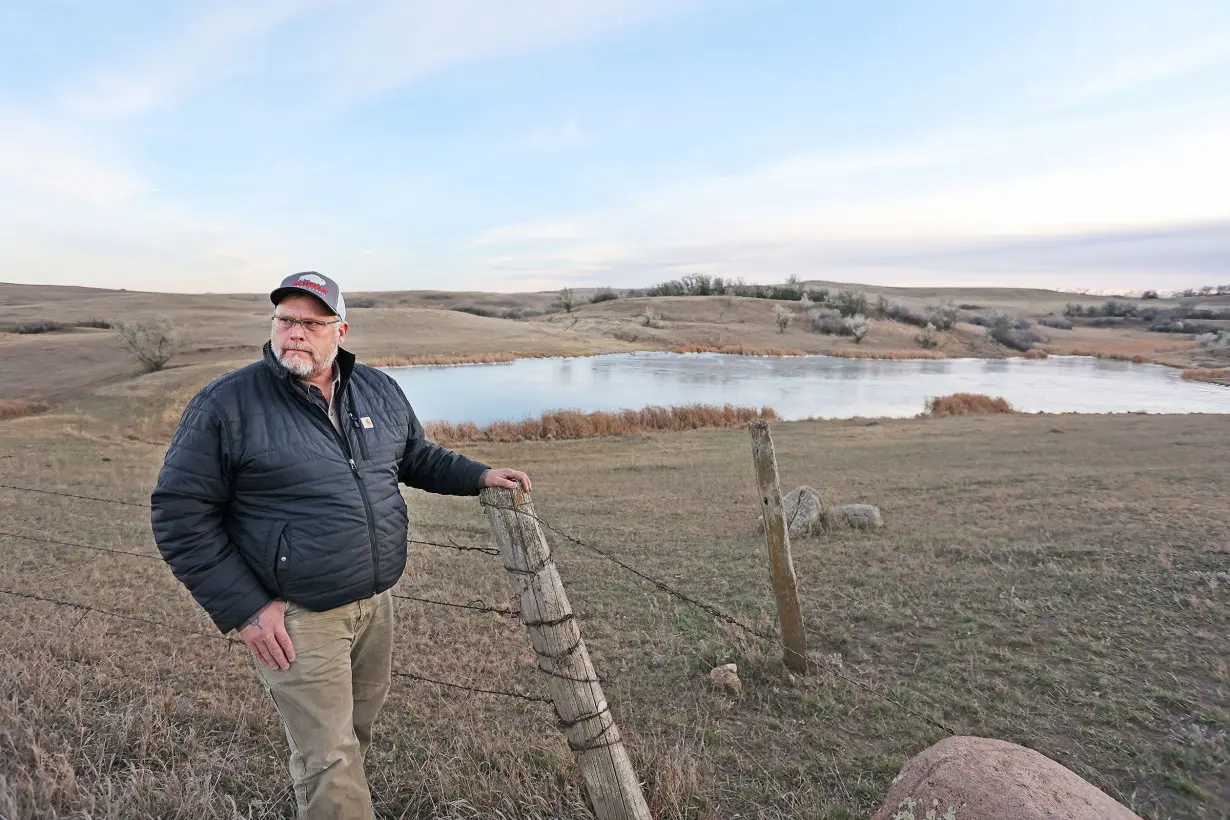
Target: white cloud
208,46
390,44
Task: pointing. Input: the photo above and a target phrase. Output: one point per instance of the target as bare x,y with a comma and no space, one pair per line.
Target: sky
512,145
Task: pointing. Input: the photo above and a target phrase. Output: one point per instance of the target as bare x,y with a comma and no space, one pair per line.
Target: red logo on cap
312,286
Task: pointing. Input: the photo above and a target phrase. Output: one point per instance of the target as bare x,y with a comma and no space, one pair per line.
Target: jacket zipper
358,480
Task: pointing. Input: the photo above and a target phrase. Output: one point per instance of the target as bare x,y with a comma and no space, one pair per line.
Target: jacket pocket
360,434
278,550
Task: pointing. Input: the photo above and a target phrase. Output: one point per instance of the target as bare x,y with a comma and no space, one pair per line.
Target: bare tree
857,326
151,342
568,299
782,317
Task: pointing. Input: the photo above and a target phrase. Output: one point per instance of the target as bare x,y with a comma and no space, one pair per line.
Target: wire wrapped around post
584,714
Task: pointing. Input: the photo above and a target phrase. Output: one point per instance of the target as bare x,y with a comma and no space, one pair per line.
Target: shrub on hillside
964,404
1105,321
827,321
603,295
361,302
520,314
1056,322
944,317
40,326
1009,333
851,303
151,342
980,320
475,310
781,317
926,339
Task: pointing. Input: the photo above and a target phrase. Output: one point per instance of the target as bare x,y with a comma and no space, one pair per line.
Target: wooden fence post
583,711
785,587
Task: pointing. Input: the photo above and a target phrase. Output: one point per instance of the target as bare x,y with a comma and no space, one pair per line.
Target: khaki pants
328,700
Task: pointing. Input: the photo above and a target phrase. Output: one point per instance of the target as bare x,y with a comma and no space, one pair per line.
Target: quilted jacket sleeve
429,467
188,503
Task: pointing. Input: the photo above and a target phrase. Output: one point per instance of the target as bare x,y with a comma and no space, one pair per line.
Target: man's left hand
506,477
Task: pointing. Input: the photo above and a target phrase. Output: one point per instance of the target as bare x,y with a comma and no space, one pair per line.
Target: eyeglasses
310,325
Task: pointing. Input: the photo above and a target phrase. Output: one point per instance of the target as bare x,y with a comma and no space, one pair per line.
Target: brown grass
443,359
739,350
855,353
1136,358
563,425
1212,375
20,408
964,404
962,609
1035,354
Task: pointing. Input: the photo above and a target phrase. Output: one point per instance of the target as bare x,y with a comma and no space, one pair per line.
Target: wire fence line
661,585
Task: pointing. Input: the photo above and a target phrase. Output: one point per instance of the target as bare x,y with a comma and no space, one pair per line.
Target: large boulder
976,777
861,516
804,511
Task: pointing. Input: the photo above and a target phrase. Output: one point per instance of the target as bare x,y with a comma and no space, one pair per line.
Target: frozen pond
797,387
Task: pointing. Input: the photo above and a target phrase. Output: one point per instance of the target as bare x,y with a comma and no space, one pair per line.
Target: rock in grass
861,516
976,777
727,677
804,511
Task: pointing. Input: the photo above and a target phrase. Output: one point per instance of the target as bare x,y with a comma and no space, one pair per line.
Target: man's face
306,353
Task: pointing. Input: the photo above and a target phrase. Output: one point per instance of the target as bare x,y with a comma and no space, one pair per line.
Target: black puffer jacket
259,497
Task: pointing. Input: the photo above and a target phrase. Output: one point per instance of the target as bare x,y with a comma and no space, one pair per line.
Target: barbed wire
232,641
74,495
719,614
82,546
515,695
476,606
453,545
112,613
658,583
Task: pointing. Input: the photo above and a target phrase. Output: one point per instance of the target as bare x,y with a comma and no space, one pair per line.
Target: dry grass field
1057,581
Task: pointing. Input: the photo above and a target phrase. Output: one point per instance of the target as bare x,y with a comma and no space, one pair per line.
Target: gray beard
304,370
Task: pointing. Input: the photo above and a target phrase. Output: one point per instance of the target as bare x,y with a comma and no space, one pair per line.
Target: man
278,507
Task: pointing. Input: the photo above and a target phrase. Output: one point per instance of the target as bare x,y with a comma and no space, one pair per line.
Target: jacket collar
345,364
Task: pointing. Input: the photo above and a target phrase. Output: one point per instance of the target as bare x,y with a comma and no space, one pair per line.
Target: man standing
278,507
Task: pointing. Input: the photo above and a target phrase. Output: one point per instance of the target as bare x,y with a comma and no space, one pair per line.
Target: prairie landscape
1058,581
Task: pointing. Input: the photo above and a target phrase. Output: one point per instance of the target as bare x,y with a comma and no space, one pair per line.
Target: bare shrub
151,342
361,302
520,314
475,310
963,404
40,326
573,424
858,326
851,303
1056,322
19,408
926,339
827,321
567,299
781,317
1216,341
650,318
1008,332
943,316
603,295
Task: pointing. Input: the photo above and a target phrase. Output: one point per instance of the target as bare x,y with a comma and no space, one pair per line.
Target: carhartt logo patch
367,422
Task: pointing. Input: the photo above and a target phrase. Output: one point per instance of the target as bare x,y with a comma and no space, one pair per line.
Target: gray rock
861,516
804,511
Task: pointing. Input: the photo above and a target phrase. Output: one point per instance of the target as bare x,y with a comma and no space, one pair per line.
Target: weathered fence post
785,587
583,711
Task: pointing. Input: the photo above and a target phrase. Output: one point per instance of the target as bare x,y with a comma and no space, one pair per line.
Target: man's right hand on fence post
265,634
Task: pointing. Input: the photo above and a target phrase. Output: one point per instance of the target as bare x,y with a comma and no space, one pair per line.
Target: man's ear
341,332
